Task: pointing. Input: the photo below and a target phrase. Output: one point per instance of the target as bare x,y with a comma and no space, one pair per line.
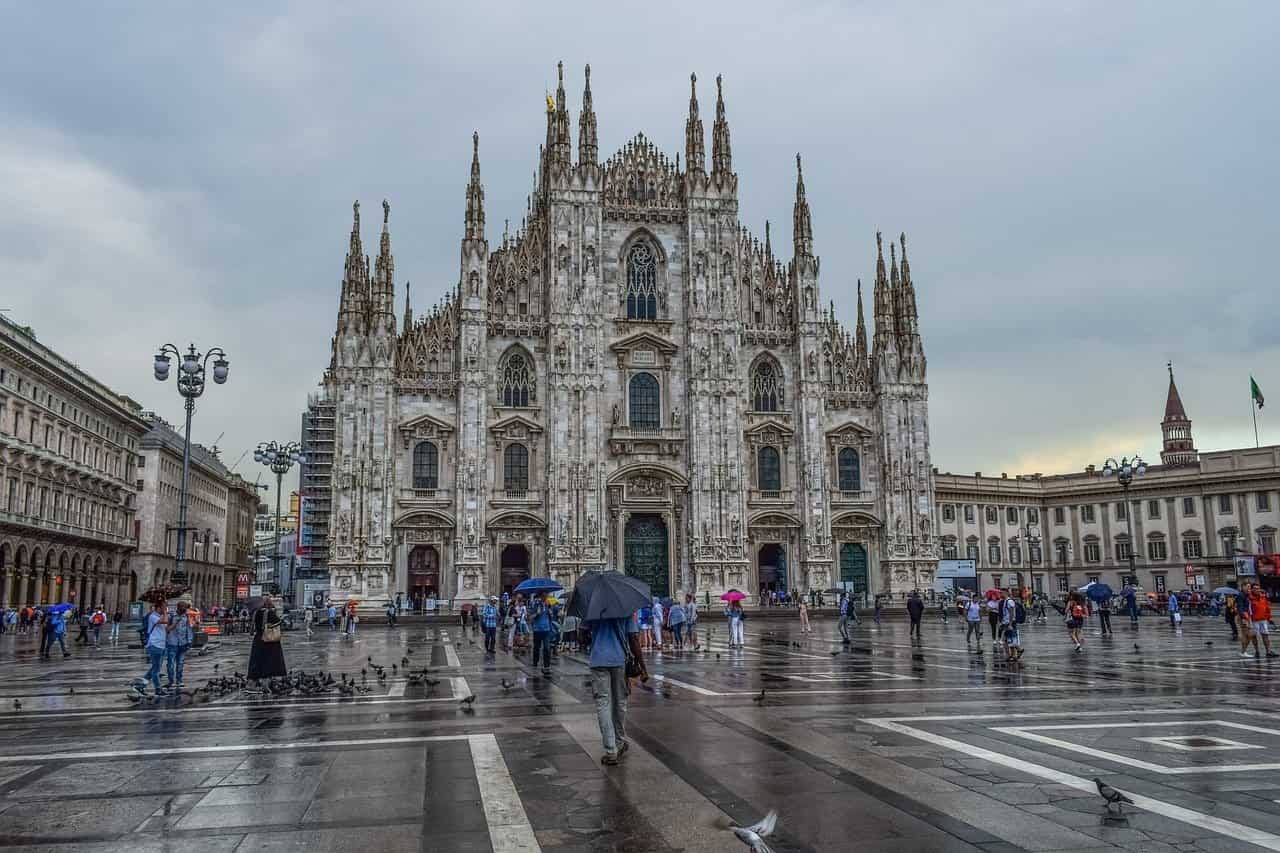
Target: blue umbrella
1100,592
538,585
59,608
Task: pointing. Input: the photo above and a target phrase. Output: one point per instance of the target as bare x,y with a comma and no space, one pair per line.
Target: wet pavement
883,745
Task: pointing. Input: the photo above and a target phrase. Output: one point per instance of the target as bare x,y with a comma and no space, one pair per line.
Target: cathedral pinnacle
588,146
382,291
861,331
408,310
694,141
558,144
802,228
474,219
908,318
721,155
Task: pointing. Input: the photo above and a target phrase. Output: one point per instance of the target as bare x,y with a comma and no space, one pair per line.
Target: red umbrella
733,595
994,593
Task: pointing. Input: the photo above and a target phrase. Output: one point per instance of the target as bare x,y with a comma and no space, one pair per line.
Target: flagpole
1254,409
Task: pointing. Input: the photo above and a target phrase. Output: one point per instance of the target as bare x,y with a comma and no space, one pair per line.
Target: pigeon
1208,642
1136,647
71,691
717,656
408,651
432,682
507,685
215,667
394,669
1111,795
835,654
17,704
404,662
469,702
754,836
370,658
760,698
364,673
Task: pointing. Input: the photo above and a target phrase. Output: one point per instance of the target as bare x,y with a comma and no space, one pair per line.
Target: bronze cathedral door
645,552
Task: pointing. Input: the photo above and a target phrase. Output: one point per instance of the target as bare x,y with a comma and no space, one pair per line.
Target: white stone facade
630,379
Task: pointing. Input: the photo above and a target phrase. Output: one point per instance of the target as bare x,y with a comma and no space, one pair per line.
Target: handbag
270,632
632,666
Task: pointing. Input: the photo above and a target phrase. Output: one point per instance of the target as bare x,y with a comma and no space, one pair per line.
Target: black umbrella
608,595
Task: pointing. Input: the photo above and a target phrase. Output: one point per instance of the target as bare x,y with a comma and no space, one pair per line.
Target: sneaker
609,759
622,748
1079,648
1272,655
1246,654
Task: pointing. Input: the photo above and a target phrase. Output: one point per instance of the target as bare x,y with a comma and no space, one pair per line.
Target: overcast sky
1088,189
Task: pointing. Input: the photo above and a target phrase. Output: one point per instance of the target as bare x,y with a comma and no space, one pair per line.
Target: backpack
98,619
1020,613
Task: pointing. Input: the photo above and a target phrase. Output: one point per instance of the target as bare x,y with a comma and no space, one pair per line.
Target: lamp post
191,384
1124,471
279,458
1030,535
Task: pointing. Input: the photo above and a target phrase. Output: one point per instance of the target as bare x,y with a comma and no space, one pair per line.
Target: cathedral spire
895,285
861,331
721,156
802,226
474,219
768,243
561,148
695,154
909,319
885,331
1179,447
355,280
588,146
384,268
408,310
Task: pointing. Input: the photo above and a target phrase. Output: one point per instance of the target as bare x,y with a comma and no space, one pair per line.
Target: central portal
424,572
645,552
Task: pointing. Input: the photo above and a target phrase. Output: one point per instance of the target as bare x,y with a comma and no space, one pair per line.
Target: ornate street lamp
191,383
1124,471
279,458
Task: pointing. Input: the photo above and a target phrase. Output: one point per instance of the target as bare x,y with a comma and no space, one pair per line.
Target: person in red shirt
1260,616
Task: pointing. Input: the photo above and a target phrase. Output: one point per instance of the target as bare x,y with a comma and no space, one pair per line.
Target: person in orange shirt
1260,615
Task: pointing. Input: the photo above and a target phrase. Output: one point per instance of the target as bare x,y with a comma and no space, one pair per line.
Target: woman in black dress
266,656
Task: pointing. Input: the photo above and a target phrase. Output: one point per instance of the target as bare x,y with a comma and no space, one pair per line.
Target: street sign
1190,570
243,578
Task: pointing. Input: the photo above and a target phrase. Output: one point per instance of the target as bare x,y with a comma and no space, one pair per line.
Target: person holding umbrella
1101,594
733,612
266,657
606,603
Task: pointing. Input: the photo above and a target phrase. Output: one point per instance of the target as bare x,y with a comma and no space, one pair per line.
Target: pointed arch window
766,387
515,380
515,468
645,408
426,466
850,470
642,283
769,470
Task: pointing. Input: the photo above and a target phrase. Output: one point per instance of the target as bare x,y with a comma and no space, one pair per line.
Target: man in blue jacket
540,624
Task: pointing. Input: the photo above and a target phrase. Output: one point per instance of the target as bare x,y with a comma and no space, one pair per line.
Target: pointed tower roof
721,154
382,293
588,144
695,154
909,317
861,330
474,219
408,310
1179,446
561,148
355,276
882,296
802,227
1173,409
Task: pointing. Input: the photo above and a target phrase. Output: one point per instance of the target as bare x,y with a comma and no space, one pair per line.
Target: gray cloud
1086,189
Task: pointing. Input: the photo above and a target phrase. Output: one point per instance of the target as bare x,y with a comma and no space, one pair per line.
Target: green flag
1256,392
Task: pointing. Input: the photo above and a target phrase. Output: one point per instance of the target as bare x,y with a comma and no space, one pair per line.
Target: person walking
489,619
691,618
266,656
915,611
1231,613
659,621
1260,617
1104,617
1175,612
333,616
1075,620
879,611
309,619
675,618
973,622
540,622
353,619
178,639
613,643
1131,604
804,616
993,617
1012,613
391,615
116,619
735,615
845,605
155,630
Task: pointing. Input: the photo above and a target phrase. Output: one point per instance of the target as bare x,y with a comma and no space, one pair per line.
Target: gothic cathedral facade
629,380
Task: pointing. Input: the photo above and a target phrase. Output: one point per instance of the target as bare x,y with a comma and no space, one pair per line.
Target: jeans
175,657
609,687
1104,619
97,635
1133,613
735,633
974,630
844,626
490,638
993,620
678,631
157,657
115,632
542,646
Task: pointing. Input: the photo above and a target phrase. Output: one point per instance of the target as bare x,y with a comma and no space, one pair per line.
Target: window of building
1122,511
992,515
997,580
993,553
515,468
968,513
769,469
1264,501
1224,503
642,283
1267,543
1092,577
426,466
766,386
1229,544
850,470
1064,584
1033,515
1059,515
515,381
1159,581
971,552
1015,555
1188,506
948,512
1063,551
1034,555
1086,513
1011,515
1157,550
646,412
1153,509
1092,552
1192,549
950,552
1123,550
